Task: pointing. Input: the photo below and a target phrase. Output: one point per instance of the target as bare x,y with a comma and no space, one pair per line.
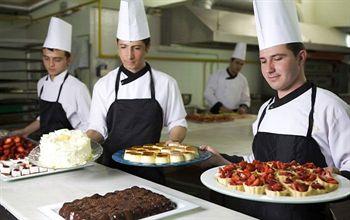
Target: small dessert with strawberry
299,189
327,180
275,188
255,185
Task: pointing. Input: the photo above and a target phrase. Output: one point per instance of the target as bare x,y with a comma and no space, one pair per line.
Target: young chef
64,101
131,104
227,90
302,122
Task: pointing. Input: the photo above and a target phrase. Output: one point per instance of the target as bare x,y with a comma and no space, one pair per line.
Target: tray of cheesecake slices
277,182
161,155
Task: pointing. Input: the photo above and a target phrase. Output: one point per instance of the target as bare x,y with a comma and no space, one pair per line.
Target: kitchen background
189,41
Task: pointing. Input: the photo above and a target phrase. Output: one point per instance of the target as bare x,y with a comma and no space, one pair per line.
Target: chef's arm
95,135
31,128
177,134
216,159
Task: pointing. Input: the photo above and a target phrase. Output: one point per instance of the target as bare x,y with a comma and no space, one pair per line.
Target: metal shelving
21,68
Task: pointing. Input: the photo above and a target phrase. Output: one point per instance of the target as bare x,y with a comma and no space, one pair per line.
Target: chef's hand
332,170
223,109
242,110
215,160
170,141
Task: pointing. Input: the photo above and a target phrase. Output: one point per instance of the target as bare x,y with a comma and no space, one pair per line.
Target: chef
132,103
227,90
63,99
301,122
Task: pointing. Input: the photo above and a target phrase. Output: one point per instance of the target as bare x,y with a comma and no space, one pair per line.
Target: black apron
52,115
285,148
133,122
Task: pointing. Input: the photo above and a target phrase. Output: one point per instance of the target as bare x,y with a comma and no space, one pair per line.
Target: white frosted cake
64,148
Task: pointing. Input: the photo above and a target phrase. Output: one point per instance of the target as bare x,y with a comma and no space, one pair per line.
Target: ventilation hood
197,26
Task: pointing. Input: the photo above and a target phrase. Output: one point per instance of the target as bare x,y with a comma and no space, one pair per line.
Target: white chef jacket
230,92
167,94
331,128
75,98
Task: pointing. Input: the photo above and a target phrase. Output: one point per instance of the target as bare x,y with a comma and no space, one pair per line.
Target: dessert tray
51,211
96,153
209,180
212,118
32,170
119,157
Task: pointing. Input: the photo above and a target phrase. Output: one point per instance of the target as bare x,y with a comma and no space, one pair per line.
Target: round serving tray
119,157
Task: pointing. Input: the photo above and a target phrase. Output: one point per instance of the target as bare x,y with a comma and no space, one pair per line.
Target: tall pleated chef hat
276,23
132,23
59,35
240,51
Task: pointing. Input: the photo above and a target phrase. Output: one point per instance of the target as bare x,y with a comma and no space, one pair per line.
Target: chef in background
301,122
227,90
132,103
64,101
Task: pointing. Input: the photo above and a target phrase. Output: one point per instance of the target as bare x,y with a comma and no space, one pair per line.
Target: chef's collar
296,93
133,76
230,75
58,78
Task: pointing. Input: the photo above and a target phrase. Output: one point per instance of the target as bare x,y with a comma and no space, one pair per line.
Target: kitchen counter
22,198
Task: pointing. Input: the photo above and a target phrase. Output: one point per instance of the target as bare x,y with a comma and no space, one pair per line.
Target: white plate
209,180
52,210
48,172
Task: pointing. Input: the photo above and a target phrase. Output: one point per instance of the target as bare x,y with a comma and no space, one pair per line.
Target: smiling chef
132,103
301,122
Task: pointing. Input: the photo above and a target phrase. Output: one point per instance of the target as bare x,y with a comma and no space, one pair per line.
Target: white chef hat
276,22
132,23
240,51
59,35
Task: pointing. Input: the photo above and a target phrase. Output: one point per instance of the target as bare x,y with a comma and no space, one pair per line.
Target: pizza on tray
275,178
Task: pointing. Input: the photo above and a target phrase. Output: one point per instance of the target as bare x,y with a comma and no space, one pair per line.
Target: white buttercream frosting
64,148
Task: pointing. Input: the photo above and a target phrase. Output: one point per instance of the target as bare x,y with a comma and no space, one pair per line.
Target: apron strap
311,114
152,84
263,114
42,88
59,92
117,83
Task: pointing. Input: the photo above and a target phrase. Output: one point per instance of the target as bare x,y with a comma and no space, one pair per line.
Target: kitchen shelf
17,91
18,104
3,59
23,70
18,81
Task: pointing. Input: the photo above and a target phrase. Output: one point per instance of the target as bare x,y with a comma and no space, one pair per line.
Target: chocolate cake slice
131,203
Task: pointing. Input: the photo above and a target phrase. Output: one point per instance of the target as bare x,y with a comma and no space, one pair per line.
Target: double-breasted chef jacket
229,91
64,103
